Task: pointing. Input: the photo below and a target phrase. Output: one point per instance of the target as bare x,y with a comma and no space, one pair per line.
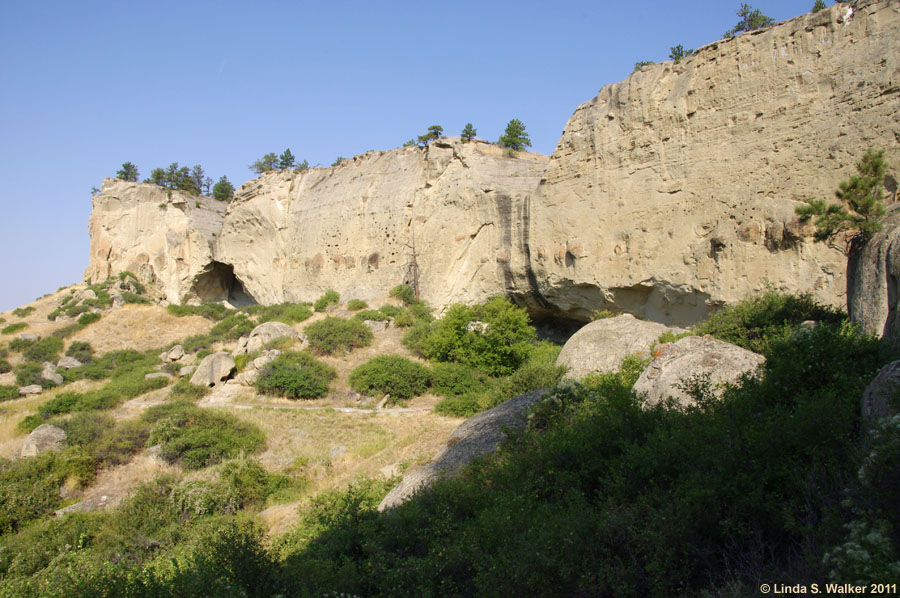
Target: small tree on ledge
514,138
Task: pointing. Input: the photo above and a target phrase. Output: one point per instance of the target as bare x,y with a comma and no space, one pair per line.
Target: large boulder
42,439
873,280
691,357
601,345
213,369
49,373
882,396
269,331
68,363
476,436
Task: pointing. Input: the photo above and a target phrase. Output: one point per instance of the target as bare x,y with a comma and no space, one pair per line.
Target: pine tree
129,172
751,20
265,164
468,133
286,160
515,137
223,190
434,133
819,5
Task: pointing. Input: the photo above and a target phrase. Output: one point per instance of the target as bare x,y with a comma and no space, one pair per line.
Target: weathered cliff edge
669,194
674,190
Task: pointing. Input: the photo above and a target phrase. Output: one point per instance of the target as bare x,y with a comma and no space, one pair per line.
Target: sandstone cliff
669,194
674,190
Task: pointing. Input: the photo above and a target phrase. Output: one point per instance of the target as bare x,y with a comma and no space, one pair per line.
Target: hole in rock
217,282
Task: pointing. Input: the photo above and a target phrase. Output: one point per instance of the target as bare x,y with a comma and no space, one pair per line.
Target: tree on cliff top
265,164
434,133
223,190
129,172
468,133
751,20
515,137
861,207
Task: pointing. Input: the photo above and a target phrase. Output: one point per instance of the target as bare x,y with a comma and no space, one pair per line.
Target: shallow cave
217,282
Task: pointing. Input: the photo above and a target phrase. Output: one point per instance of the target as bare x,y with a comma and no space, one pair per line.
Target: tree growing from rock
265,164
468,133
819,5
861,204
434,133
223,190
515,137
751,20
286,159
338,161
677,53
128,172
302,166
178,177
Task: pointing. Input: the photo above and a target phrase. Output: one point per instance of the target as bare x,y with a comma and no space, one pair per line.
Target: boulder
476,436
49,373
266,358
68,363
882,396
247,377
269,331
187,370
42,439
241,348
873,281
31,389
213,369
26,336
601,345
118,301
175,353
376,325
690,357
89,505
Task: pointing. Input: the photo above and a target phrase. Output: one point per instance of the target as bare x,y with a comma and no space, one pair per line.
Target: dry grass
117,482
37,320
139,327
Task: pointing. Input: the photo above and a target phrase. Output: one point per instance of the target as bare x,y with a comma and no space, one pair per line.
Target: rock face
690,357
881,392
479,435
213,369
268,331
42,439
669,194
674,191
602,345
873,281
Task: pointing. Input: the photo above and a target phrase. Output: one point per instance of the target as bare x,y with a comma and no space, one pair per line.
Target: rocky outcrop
602,345
43,439
476,436
873,280
213,369
694,358
882,396
263,334
673,192
669,194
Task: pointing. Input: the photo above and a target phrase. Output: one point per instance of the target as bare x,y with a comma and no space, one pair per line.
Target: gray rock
690,357
476,436
269,331
477,326
247,377
601,345
266,358
85,294
43,439
213,369
241,347
118,301
383,402
49,373
882,396
165,375
175,353
873,280
89,505
68,363
187,370
26,336
31,389
376,325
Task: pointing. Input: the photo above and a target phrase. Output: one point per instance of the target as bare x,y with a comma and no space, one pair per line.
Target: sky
86,86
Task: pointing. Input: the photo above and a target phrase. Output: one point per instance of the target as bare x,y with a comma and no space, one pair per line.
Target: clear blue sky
86,86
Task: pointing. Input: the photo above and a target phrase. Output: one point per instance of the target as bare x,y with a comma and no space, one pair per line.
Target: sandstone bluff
669,194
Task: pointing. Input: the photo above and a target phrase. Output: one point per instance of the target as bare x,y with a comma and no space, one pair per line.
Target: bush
5,366
356,304
130,297
121,388
84,428
183,389
88,318
371,314
404,293
335,335
20,344
329,298
493,337
391,311
29,373
45,349
452,379
8,393
21,312
30,490
287,313
195,438
391,374
13,328
210,311
81,351
295,375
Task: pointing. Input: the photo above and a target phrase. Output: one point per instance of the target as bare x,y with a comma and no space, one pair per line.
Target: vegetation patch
295,375
288,313
81,351
404,293
184,390
397,376
45,349
194,438
371,314
356,304
8,393
336,335
21,312
13,328
330,297
5,366
210,311
29,373
452,379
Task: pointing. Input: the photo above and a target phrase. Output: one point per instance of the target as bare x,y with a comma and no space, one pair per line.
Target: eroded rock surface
882,396
43,439
213,369
873,281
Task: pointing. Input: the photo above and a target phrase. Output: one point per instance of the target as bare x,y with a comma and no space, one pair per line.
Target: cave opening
217,282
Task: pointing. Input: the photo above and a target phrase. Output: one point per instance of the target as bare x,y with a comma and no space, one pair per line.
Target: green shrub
452,379
45,349
130,297
404,293
21,312
132,281
183,389
295,375
356,304
8,393
195,438
391,374
329,298
249,483
493,337
335,335
210,311
122,387
88,318
113,364
30,490
81,351
389,310
5,366
231,327
66,331
20,344
287,313
118,444
84,428
371,314
29,373
13,328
